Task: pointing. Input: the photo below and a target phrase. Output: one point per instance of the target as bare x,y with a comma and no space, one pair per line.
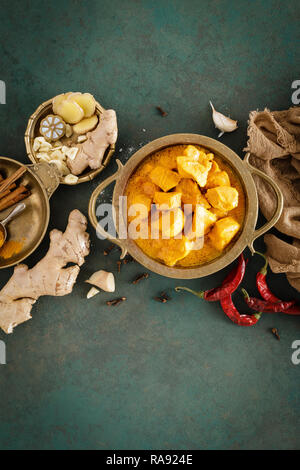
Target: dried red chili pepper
235,316
264,305
227,288
265,292
261,282
295,310
231,311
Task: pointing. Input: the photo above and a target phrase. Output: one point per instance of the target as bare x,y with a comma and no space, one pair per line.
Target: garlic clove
103,280
223,123
71,179
92,292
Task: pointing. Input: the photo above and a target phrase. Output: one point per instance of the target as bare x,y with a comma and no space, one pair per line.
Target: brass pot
32,131
243,170
30,227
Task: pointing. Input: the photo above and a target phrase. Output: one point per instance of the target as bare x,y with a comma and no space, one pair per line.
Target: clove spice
119,263
115,302
163,298
128,259
161,111
109,249
275,333
140,278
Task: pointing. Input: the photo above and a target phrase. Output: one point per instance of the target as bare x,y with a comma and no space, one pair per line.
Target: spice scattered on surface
119,263
128,259
11,248
2,239
109,249
115,302
140,278
275,333
161,111
163,298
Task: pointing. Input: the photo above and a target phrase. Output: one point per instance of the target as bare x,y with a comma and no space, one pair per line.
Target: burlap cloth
274,145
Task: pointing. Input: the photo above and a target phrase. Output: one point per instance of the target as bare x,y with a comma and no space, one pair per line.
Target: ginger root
49,276
91,152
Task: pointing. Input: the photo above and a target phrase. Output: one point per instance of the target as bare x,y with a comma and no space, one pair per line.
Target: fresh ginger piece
223,232
164,178
92,151
203,220
49,276
218,178
191,194
70,111
224,198
198,171
173,250
86,125
86,101
167,200
56,102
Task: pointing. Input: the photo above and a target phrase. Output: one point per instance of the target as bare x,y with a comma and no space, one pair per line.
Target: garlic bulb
223,123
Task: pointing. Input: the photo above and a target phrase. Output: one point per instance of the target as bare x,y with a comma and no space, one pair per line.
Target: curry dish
200,197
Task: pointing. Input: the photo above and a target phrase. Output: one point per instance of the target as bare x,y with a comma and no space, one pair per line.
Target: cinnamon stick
14,177
5,193
13,197
18,198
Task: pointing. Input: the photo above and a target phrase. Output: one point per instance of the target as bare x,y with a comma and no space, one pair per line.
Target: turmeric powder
10,248
2,239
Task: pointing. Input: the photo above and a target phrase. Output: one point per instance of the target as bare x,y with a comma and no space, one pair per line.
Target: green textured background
146,375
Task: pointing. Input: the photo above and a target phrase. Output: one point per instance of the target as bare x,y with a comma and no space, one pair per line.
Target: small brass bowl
241,168
30,227
32,131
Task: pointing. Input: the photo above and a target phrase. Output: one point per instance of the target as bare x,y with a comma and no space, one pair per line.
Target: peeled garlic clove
223,123
71,179
103,280
92,292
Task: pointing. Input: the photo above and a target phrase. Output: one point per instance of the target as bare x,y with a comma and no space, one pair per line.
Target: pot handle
92,210
48,176
279,197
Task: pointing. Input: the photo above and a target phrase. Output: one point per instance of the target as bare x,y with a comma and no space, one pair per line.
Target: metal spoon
16,211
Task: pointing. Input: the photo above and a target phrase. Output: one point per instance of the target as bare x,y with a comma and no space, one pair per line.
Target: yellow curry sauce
142,188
